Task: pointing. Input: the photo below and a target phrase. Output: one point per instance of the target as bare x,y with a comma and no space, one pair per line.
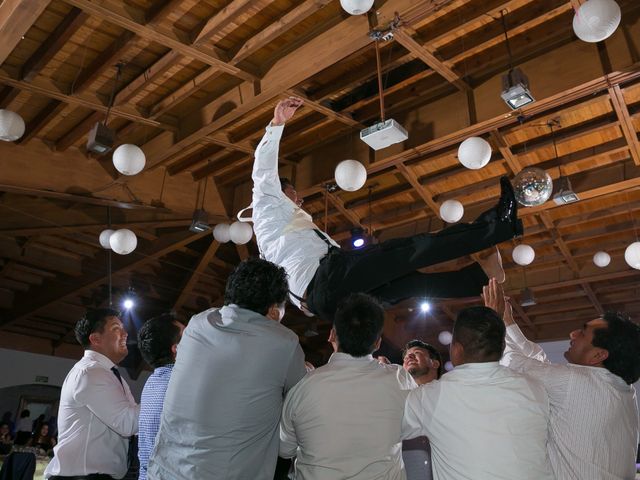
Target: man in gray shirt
233,368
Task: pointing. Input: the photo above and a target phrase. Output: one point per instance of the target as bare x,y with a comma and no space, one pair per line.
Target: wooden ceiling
198,84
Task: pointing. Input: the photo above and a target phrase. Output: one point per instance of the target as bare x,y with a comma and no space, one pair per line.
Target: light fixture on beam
515,89
527,298
199,222
564,193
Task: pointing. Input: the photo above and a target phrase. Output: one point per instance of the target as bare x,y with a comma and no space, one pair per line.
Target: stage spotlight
128,303
358,238
425,307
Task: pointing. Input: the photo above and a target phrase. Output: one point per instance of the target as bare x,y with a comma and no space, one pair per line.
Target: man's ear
456,352
174,350
274,313
94,338
598,356
376,346
333,339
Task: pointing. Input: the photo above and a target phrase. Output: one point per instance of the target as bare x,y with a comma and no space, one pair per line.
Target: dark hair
431,350
621,338
284,183
480,331
256,285
25,413
93,321
358,322
155,339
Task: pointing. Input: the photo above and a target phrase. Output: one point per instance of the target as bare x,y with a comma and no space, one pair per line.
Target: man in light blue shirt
224,400
158,342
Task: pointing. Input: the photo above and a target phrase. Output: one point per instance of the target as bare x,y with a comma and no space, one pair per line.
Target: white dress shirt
594,415
97,414
284,231
343,421
484,422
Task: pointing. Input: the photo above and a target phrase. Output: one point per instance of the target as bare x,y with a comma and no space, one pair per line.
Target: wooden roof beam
626,124
592,296
8,95
212,26
42,119
323,109
195,274
119,14
505,151
209,154
423,192
79,131
146,77
54,43
348,214
546,219
16,18
404,36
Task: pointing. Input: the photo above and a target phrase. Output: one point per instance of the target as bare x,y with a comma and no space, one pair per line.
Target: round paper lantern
532,186
11,126
123,241
632,255
240,232
221,233
596,20
356,7
105,235
448,366
602,259
451,211
129,159
523,254
445,337
474,153
350,175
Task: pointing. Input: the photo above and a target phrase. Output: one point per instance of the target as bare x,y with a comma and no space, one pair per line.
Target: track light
200,221
357,237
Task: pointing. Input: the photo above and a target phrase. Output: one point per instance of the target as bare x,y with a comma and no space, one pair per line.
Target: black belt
90,476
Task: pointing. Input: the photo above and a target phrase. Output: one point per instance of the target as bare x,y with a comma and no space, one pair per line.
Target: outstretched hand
285,109
493,296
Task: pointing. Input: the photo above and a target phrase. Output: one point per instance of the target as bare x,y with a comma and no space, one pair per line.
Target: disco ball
533,186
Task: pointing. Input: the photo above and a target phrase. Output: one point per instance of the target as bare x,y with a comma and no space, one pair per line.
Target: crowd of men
231,393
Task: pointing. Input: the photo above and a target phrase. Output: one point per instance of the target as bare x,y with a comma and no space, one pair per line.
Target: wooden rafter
212,26
16,18
8,95
79,131
505,151
51,111
348,214
626,124
146,77
423,192
204,261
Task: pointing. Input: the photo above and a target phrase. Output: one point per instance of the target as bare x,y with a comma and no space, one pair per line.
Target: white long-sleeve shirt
594,415
484,422
343,421
97,414
284,232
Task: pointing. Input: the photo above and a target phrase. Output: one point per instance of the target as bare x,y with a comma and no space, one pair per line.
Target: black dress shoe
507,208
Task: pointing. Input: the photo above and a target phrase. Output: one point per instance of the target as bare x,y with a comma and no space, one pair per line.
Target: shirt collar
483,366
100,358
164,368
606,375
341,356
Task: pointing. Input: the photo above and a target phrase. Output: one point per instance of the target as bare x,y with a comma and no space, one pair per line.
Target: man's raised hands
285,109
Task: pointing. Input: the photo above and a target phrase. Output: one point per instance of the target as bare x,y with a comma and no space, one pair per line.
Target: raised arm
266,180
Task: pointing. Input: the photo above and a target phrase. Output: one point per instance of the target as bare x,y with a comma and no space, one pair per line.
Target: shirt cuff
514,332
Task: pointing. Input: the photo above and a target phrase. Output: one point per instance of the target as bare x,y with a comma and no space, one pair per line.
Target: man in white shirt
594,414
224,399
484,421
321,274
423,362
343,420
97,413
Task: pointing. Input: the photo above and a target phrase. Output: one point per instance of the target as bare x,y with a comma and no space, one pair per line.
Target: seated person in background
6,440
42,439
484,421
594,416
343,419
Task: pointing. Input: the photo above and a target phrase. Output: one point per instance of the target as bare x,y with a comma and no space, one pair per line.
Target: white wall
21,368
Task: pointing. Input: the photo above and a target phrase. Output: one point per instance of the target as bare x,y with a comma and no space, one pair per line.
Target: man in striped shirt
158,342
593,431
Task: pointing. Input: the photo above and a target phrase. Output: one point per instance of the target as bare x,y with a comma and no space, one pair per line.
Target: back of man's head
256,285
93,321
284,183
621,339
155,339
480,331
358,322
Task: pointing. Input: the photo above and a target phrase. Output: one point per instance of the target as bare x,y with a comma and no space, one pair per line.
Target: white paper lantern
221,233
474,153
632,255
11,126
240,232
451,211
123,241
356,7
350,175
523,254
448,366
602,259
445,337
105,235
596,20
129,159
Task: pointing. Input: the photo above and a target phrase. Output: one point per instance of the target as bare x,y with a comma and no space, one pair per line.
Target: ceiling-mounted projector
383,134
